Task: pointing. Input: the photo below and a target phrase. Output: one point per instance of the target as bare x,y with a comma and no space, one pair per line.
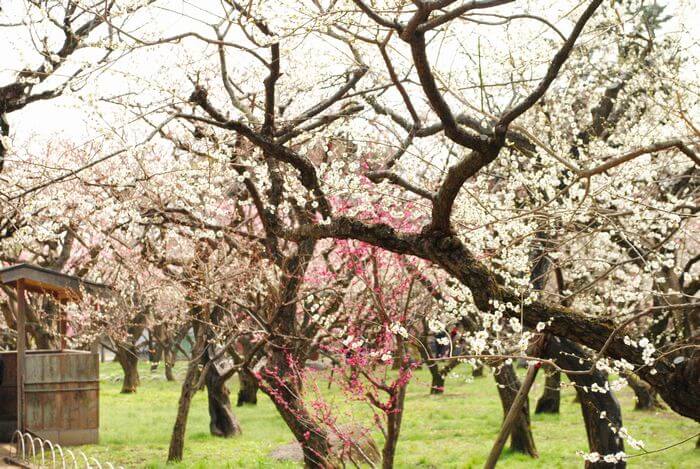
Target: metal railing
36,452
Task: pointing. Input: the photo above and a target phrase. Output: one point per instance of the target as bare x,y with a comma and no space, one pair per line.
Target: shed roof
42,280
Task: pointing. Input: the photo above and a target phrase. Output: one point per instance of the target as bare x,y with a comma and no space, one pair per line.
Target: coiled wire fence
35,452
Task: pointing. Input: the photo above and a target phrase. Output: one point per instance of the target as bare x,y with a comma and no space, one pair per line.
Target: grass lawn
452,430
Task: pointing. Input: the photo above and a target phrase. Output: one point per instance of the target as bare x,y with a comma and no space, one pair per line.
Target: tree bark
601,438
129,360
222,421
248,389
512,416
521,439
548,403
177,440
646,397
169,361
282,378
286,395
189,388
437,385
393,429
478,371
37,329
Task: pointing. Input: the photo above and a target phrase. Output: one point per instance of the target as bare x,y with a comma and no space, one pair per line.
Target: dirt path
5,451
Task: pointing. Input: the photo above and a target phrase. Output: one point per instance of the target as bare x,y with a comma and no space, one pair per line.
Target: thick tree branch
675,382
437,102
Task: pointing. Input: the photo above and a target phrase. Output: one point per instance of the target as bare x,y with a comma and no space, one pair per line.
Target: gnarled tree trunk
129,360
548,403
645,396
248,389
189,388
282,378
222,421
601,437
437,378
521,439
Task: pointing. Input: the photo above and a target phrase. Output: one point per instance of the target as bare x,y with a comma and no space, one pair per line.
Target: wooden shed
53,394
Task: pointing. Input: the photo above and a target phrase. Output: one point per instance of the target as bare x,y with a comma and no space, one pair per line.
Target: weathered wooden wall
62,396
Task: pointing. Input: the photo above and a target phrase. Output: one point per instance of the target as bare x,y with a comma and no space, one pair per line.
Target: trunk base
248,390
521,439
645,396
129,362
549,402
601,438
438,384
223,422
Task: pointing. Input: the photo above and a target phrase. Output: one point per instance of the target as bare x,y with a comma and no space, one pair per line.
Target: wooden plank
66,366
70,437
62,409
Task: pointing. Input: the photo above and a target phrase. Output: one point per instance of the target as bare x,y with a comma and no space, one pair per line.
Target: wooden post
512,416
21,352
63,328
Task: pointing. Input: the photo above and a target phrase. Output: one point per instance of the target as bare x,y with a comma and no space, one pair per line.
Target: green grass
454,430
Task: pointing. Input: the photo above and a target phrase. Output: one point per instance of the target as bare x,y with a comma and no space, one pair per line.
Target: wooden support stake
21,352
63,328
512,416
